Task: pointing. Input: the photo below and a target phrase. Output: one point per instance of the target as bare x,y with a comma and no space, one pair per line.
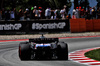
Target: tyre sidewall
24,51
62,51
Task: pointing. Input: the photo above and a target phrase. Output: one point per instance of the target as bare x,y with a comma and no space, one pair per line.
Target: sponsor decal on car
43,45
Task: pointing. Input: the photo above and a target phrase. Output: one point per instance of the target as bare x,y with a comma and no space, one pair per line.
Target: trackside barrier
93,25
49,26
78,25
34,26
96,25
82,25
89,26
74,25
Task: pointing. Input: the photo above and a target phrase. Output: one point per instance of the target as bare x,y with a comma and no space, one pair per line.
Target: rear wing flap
44,40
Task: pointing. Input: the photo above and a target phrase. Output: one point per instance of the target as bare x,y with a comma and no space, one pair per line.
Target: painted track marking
78,56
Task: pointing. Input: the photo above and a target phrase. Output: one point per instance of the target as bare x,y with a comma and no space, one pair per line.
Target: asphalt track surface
9,53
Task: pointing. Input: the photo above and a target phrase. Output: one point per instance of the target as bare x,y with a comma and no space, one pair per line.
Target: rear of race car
43,48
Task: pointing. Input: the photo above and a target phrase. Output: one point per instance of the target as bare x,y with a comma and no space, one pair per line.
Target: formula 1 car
42,47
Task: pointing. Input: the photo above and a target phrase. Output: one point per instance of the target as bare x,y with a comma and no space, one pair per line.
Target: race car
43,48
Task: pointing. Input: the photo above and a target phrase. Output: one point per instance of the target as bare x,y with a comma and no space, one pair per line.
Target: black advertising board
49,26
11,26
34,26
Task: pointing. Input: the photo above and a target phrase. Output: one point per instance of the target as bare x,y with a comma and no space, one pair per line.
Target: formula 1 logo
10,26
38,26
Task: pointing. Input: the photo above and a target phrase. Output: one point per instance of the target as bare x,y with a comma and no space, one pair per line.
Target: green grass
94,54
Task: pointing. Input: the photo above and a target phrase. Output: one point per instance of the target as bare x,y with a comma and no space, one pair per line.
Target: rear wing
44,40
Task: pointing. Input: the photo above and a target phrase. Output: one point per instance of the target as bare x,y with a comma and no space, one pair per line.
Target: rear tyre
62,51
24,51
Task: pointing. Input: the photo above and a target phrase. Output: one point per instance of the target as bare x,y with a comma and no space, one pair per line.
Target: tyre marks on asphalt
78,56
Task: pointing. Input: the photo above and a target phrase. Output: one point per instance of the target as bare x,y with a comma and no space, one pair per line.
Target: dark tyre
24,42
24,51
62,51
